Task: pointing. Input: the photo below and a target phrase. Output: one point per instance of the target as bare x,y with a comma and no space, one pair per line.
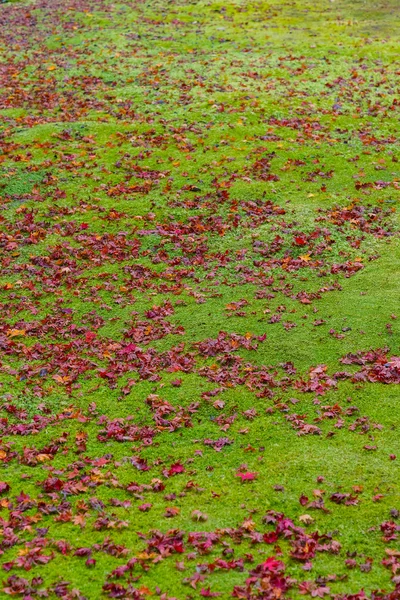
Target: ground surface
199,288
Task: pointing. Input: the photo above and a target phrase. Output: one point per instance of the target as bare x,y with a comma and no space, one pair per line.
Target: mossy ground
142,143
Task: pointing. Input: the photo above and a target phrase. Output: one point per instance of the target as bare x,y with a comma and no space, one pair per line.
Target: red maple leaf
247,476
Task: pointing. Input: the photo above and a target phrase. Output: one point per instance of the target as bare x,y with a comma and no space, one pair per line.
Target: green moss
133,121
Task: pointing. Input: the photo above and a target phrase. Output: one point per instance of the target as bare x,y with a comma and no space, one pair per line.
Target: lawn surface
199,292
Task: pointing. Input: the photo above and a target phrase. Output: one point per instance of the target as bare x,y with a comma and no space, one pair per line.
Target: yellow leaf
249,525
306,519
15,332
61,379
43,457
